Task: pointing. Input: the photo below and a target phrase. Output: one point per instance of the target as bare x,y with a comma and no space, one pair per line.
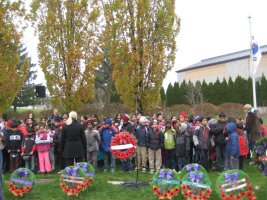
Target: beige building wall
224,70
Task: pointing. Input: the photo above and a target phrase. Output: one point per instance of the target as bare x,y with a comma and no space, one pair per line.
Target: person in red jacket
243,145
263,128
28,149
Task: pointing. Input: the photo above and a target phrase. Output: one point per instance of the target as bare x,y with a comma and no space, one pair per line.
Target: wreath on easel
260,152
21,181
166,184
235,185
123,145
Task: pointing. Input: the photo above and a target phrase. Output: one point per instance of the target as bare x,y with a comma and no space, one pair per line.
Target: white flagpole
251,66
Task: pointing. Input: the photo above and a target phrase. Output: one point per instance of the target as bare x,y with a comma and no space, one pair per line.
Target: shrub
206,109
176,109
232,109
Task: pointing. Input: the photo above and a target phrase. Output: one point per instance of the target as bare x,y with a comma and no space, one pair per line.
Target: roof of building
222,59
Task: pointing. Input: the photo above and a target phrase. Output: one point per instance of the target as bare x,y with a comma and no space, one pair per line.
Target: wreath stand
137,183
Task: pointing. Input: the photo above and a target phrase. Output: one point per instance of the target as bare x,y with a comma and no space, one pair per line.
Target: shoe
143,169
151,172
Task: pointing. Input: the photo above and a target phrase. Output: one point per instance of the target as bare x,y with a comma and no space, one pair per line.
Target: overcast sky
208,28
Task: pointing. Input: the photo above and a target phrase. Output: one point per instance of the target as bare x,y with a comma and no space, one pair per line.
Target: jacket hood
183,127
231,127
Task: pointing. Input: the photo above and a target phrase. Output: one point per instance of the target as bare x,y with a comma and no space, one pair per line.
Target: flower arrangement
196,185
260,155
21,181
123,145
73,180
234,184
166,184
87,168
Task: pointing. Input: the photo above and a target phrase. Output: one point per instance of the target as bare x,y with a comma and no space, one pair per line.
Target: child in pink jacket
43,141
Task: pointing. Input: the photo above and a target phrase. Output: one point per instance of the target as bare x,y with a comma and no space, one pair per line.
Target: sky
208,28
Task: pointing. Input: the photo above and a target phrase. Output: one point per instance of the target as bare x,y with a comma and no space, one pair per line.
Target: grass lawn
101,190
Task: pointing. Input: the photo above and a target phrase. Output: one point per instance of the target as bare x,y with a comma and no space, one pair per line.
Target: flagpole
251,66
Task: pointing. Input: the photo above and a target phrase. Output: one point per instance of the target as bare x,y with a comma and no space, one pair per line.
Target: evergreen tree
170,96
176,88
231,91
182,92
223,94
263,91
26,96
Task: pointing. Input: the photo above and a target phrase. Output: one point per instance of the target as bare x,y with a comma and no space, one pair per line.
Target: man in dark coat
73,140
218,131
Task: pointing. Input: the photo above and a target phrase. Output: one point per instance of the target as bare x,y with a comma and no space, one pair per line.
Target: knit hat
143,119
183,114
108,121
126,118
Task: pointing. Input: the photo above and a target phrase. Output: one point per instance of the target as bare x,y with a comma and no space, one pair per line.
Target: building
224,66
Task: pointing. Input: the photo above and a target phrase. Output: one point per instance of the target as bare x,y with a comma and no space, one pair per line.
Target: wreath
191,168
87,168
123,145
260,152
166,183
196,185
234,184
73,180
21,181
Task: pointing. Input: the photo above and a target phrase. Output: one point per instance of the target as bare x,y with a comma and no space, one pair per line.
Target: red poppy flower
159,193
185,195
208,191
184,187
195,198
223,196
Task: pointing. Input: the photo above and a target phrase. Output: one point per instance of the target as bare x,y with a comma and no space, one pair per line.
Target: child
13,145
243,145
28,149
154,141
201,140
140,134
93,141
263,128
106,134
182,147
232,148
43,141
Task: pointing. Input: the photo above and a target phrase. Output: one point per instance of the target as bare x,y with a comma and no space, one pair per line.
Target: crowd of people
220,142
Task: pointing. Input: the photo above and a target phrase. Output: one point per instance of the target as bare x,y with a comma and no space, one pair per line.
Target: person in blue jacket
106,134
232,148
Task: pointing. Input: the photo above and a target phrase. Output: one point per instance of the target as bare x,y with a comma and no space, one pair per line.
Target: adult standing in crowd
53,119
252,126
73,140
218,130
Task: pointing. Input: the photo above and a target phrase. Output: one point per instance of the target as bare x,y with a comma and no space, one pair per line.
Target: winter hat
126,118
183,127
183,114
108,121
143,119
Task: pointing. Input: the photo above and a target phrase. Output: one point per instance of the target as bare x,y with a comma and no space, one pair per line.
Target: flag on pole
256,56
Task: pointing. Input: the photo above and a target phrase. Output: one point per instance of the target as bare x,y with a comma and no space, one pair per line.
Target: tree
69,49
170,97
26,96
12,24
193,93
142,47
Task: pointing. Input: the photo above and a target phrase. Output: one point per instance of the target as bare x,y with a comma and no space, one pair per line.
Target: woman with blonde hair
73,140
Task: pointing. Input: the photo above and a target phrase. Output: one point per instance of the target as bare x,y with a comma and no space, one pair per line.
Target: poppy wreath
73,180
123,145
166,184
87,168
196,185
234,185
260,155
192,167
21,181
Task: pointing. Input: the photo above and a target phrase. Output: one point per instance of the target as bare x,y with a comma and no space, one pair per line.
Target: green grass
100,189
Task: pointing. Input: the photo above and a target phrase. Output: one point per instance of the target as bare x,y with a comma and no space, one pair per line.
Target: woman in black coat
73,140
